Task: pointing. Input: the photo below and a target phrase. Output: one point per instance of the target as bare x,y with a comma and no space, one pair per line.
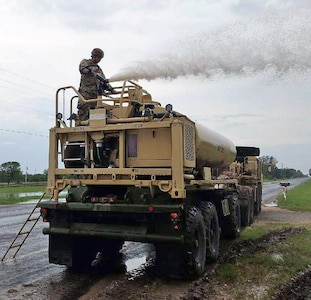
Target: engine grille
189,142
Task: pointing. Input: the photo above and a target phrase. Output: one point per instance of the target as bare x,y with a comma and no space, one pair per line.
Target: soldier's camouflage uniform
88,87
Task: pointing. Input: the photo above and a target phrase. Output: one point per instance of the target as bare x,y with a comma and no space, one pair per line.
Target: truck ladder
23,232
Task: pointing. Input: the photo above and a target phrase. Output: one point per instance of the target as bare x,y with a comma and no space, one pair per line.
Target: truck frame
136,171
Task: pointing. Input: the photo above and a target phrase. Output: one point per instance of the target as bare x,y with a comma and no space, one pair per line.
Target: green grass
13,200
298,198
258,275
19,189
227,272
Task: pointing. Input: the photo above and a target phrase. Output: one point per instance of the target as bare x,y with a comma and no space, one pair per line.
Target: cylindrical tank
212,149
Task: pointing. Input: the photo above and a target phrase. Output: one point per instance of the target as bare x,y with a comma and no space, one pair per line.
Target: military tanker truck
247,168
137,171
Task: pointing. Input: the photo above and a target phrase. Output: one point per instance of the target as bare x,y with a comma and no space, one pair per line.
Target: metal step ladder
24,232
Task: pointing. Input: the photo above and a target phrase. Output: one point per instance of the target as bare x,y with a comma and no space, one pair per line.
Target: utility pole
26,173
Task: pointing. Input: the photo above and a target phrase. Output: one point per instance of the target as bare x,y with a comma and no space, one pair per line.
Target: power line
29,108
21,132
20,85
26,78
50,97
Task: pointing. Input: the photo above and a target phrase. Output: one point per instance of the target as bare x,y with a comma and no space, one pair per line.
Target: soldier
89,83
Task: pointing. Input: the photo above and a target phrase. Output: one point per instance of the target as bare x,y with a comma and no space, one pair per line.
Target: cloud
8,143
240,49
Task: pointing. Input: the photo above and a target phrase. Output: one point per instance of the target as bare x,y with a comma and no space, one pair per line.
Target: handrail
124,94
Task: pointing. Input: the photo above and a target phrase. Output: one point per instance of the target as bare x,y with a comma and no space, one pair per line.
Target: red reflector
150,208
45,220
174,215
43,211
176,227
111,200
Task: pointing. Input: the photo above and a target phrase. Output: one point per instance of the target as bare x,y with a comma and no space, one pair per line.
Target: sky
239,67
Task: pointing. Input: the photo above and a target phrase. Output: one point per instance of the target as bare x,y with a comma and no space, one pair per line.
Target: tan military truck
137,171
247,168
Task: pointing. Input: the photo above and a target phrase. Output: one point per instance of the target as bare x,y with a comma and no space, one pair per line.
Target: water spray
279,40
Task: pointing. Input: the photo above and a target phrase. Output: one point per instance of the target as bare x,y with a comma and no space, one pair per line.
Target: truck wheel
212,230
257,206
252,206
195,239
187,260
231,225
260,196
247,209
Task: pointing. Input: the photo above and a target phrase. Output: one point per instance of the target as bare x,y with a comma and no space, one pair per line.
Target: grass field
298,198
21,189
6,199
259,274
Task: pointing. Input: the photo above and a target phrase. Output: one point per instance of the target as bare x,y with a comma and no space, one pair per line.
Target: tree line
272,172
11,172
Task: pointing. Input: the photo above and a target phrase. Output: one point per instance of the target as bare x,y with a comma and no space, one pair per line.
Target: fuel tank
213,149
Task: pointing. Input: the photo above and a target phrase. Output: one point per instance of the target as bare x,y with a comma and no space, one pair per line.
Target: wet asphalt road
31,263
272,189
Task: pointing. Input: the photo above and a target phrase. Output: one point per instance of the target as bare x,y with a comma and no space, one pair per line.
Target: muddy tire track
199,289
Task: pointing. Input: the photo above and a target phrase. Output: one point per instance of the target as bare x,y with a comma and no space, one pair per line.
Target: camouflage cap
98,52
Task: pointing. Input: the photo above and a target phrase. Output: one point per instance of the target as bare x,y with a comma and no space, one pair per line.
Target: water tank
213,149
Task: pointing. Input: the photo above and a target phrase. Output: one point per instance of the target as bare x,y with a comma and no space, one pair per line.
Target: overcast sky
241,68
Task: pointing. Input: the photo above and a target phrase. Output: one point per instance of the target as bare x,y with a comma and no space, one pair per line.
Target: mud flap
60,249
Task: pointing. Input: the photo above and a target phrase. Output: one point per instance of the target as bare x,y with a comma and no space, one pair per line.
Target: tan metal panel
148,148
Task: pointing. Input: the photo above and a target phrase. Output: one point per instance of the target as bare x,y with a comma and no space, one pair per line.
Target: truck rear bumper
137,234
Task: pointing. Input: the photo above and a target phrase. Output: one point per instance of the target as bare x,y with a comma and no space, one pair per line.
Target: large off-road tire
257,206
247,209
186,260
212,230
231,224
195,239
